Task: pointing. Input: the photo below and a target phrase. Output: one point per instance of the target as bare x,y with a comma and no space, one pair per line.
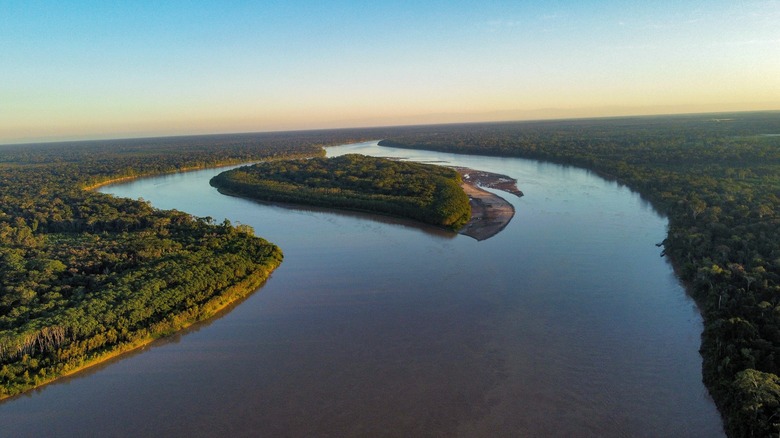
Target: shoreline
215,165
110,181
177,322
490,213
208,310
490,180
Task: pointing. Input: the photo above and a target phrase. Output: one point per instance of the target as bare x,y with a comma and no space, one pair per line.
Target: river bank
490,213
175,322
414,331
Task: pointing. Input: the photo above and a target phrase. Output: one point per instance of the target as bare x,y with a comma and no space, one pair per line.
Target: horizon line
108,137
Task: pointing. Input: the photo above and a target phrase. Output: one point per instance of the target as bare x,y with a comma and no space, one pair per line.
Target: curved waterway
567,323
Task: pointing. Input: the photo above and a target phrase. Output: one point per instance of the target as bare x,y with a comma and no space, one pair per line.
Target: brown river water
565,324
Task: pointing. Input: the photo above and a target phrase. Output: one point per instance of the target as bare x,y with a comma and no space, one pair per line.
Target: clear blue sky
82,69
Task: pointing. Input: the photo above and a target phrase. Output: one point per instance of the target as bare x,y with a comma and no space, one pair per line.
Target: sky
88,70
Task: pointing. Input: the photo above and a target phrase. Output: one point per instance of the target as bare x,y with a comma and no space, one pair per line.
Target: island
423,192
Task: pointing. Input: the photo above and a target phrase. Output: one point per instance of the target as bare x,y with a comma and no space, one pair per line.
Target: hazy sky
83,69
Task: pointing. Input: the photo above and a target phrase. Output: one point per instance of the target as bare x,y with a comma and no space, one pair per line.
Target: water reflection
362,216
568,323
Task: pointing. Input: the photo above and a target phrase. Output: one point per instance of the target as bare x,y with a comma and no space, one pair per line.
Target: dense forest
717,178
84,276
423,192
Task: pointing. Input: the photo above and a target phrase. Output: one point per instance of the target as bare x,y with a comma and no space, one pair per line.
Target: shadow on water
173,338
430,230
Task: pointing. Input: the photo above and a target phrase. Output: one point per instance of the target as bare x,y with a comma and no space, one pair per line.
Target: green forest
424,192
85,276
717,179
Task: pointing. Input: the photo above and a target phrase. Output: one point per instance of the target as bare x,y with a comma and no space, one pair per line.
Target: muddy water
567,323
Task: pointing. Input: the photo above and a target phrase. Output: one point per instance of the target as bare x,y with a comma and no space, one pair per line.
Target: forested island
423,192
717,178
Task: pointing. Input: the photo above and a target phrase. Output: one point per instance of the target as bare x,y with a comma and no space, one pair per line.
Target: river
567,323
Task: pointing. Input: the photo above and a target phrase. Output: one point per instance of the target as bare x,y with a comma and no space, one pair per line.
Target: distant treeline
85,275
717,178
427,193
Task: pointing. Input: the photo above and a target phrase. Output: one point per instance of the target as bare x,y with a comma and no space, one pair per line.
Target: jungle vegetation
424,192
717,179
84,275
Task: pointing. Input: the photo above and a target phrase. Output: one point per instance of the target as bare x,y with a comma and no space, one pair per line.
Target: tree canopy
428,193
84,275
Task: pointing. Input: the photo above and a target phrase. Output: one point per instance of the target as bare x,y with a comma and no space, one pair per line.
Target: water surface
567,323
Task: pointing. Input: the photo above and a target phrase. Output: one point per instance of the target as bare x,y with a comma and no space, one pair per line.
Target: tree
756,404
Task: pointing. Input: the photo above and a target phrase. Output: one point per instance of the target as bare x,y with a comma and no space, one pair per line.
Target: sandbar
490,213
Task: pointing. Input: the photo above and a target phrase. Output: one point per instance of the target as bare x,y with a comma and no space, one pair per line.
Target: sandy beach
490,213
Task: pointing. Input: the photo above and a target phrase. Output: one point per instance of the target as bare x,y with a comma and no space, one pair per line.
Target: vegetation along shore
86,275
717,179
424,192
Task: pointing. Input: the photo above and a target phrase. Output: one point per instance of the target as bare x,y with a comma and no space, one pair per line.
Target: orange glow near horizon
83,73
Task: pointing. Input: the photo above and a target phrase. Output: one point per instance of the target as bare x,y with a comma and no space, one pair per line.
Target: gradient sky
83,69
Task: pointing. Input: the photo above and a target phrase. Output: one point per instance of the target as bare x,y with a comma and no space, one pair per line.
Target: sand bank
490,213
